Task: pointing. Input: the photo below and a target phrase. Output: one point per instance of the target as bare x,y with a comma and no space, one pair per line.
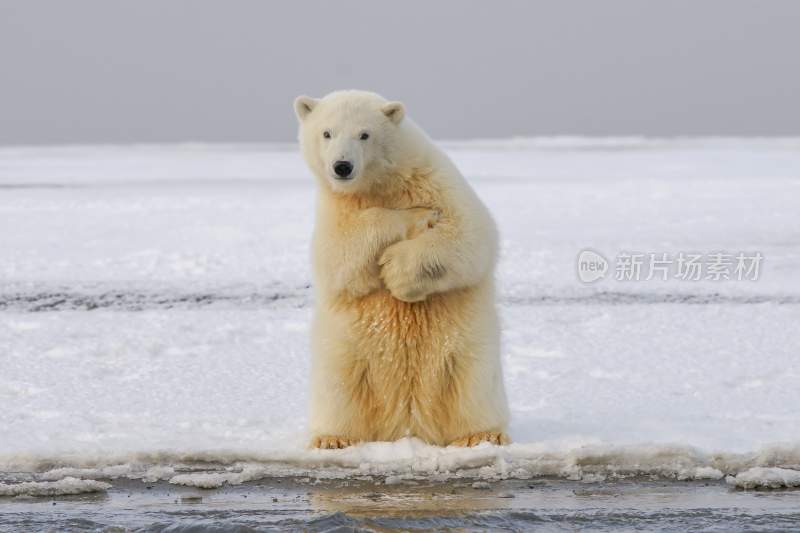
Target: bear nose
343,168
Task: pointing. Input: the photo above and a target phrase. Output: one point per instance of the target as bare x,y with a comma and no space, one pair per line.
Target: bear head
349,138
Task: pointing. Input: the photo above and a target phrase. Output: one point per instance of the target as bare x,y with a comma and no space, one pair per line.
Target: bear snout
343,169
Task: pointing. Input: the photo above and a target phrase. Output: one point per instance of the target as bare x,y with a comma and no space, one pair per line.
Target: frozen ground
155,300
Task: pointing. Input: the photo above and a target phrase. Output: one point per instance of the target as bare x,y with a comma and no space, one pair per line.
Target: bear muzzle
343,170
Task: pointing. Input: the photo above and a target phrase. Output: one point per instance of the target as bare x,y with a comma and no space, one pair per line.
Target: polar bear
405,336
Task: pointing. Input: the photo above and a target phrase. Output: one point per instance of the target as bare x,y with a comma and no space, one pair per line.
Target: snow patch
108,472
706,472
411,460
765,478
62,487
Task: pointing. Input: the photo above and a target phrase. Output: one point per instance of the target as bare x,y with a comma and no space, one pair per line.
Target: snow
765,478
62,487
155,302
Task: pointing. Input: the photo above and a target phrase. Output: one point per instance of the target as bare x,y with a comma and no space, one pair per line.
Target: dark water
291,505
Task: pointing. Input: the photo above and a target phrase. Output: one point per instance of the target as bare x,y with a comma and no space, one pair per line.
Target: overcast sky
200,70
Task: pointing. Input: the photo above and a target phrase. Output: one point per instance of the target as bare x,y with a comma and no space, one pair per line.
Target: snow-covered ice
766,478
62,487
155,302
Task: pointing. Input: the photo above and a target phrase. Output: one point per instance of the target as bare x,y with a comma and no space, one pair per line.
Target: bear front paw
401,272
328,442
421,219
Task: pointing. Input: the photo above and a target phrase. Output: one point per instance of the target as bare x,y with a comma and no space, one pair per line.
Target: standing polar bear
405,338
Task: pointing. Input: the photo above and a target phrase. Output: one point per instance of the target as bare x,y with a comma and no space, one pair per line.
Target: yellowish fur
405,337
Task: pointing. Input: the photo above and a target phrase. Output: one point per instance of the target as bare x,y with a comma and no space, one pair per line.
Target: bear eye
326,134
364,136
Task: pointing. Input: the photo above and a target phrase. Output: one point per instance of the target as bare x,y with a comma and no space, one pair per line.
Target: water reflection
404,500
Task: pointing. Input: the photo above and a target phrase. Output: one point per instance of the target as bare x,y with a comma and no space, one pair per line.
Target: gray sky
182,70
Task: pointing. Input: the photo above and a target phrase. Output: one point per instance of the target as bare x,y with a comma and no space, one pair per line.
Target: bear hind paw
493,437
329,442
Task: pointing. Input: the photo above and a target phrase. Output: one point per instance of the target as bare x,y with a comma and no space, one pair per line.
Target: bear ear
394,111
303,105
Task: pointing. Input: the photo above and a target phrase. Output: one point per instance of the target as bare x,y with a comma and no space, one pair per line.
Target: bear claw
331,443
494,437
